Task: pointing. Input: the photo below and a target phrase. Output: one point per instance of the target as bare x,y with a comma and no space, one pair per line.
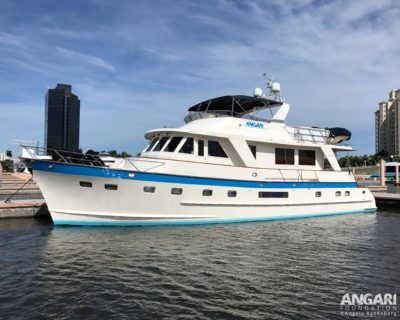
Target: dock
386,198
12,187
32,208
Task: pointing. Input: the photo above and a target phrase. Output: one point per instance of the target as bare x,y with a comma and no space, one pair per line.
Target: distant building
387,125
62,119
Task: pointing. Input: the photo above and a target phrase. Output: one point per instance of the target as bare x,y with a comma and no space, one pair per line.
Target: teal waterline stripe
166,178
200,222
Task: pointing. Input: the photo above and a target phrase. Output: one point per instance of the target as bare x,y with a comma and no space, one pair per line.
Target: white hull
71,204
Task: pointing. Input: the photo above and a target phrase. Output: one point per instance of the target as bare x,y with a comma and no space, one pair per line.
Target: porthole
207,193
85,184
149,189
338,193
232,193
318,194
110,187
347,193
176,191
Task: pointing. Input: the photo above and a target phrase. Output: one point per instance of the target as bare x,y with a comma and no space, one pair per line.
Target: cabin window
318,194
173,144
307,157
338,193
207,192
347,193
187,146
85,184
232,193
253,150
161,144
176,191
200,145
149,189
215,150
110,187
273,194
284,156
152,143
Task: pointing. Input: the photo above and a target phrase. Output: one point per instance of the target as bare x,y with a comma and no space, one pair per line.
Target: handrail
64,156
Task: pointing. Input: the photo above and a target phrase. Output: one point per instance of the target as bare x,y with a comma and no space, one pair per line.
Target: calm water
272,270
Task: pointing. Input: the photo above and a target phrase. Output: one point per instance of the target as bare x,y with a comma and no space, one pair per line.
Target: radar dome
276,87
258,92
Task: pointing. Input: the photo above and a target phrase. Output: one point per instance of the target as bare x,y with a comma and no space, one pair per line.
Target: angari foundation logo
369,305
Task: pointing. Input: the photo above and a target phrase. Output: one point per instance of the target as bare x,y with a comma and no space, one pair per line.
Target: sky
138,65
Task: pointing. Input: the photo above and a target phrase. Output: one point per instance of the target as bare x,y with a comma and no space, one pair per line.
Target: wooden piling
382,168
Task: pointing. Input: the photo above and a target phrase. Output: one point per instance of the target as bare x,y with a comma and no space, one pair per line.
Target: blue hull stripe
200,222
166,178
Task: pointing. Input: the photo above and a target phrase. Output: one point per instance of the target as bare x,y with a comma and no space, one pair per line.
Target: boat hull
81,195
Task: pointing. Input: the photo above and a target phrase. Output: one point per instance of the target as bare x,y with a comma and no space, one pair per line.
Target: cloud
143,67
86,58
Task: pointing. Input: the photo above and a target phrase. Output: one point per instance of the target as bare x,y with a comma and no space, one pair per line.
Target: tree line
365,160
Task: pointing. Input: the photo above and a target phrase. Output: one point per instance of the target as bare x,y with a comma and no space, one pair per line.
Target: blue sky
138,65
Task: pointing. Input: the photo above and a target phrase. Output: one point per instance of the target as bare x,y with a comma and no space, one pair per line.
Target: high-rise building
387,128
62,119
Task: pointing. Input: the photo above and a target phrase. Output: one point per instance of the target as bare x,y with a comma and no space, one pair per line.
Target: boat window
85,184
284,156
215,149
110,187
253,150
161,144
232,193
207,193
200,145
187,146
149,189
338,193
307,157
176,191
347,193
173,144
318,194
273,194
151,145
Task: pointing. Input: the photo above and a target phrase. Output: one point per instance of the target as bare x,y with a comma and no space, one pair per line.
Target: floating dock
13,185
36,208
386,198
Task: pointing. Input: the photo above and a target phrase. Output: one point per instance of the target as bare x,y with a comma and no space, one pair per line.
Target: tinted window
253,150
207,193
173,144
272,194
151,145
307,157
201,147
284,156
187,146
110,187
161,144
215,150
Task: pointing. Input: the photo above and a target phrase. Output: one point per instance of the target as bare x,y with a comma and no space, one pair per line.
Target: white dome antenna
274,88
258,92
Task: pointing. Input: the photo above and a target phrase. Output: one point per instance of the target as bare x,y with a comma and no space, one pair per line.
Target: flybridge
239,106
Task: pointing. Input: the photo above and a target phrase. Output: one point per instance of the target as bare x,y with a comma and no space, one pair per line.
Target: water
294,269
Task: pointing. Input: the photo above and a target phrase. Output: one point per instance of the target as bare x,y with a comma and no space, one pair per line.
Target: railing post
397,174
382,170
